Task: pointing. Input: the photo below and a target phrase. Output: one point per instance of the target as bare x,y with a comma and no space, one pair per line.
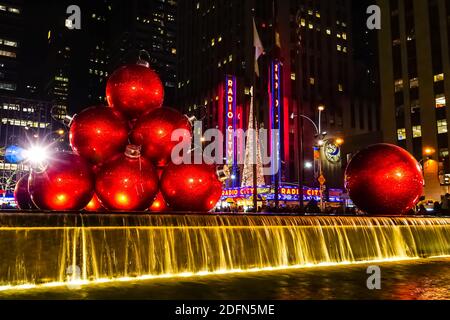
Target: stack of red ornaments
121,158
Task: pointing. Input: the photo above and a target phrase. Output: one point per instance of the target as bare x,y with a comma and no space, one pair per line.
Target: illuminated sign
231,119
286,193
276,107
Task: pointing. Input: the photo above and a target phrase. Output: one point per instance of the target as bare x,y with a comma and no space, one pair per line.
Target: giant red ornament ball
192,187
134,89
153,131
21,194
66,182
94,205
98,134
384,179
128,182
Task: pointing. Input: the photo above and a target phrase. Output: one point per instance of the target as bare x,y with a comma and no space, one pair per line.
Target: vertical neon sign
230,124
276,107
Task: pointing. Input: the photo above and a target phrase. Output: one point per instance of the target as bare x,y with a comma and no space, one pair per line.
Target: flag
259,49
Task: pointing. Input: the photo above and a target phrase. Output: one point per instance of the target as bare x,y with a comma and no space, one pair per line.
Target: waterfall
56,249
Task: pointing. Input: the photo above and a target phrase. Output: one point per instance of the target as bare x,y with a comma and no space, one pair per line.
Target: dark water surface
419,279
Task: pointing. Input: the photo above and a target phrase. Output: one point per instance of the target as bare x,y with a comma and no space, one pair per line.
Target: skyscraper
11,36
415,70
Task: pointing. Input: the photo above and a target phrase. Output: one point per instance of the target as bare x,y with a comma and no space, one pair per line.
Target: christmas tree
252,151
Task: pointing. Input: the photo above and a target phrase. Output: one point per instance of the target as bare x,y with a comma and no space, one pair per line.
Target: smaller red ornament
128,182
65,182
384,179
193,187
153,132
134,89
22,196
98,134
94,205
159,204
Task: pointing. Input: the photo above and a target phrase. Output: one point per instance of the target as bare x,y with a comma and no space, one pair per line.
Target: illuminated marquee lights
285,193
276,107
230,122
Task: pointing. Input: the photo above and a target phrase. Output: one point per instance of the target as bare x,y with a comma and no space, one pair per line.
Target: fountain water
58,249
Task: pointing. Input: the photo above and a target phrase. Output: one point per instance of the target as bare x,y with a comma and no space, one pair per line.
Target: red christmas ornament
66,182
134,89
98,134
128,182
384,179
192,187
21,194
153,132
159,204
94,204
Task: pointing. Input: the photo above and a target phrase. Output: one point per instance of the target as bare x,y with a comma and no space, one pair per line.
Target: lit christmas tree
252,143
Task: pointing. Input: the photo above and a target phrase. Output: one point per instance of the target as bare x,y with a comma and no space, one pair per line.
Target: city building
308,57
415,84
11,36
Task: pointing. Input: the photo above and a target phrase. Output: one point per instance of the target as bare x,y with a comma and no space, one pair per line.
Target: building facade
11,35
415,84
308,54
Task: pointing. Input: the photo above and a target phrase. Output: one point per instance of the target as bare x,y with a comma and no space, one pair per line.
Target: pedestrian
437,209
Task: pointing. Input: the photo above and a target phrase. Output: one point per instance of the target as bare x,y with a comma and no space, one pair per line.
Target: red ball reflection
66,184
384,179
153,132
98,134
94,205
127,183
21,194
134,89
191,187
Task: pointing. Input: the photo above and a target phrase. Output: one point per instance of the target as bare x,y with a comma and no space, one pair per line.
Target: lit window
344,49
401,134
303,22
293,76
414,83
338,35
318,14
310,12
7,54
13,10
398,85
339,47
9,43
439,77
310,26
213,42
2,8
417,131
440,101
442,126
174,51
328,31
8,86
340,87
230,58
198,5
312,81
219,40
344,36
